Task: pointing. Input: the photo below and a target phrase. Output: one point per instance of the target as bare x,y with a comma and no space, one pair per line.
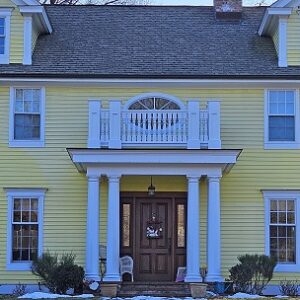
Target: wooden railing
193,128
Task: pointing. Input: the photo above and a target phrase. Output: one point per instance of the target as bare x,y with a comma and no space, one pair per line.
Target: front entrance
153,233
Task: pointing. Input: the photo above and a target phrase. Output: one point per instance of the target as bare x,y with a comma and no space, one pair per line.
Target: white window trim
6,13
286,195
282,144
12,193
26,143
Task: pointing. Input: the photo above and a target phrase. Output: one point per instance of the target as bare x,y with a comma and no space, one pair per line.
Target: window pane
2,45
283,237
126,225
25,236
180,225
2,26
281,128
27,127
25,241
290,106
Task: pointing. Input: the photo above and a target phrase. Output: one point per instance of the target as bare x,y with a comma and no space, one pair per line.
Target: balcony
118,128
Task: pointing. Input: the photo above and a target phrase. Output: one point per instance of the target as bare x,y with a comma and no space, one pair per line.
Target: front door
153,233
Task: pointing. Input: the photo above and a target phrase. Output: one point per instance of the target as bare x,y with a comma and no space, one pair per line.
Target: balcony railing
193,128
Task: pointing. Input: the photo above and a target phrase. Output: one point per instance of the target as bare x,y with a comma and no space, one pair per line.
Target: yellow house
169,134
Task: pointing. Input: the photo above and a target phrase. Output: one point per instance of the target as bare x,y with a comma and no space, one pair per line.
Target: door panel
157,234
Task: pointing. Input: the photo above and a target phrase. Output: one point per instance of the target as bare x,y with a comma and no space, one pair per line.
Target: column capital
193,178
114,177
214,178
93,177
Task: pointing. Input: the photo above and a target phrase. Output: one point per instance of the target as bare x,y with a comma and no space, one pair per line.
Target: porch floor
158,289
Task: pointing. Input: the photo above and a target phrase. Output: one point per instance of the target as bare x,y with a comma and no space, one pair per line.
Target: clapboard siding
17,37
293,37
16,32
242,205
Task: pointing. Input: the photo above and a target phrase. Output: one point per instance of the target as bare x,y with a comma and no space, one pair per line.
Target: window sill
282,145
287,268
29,144
19,266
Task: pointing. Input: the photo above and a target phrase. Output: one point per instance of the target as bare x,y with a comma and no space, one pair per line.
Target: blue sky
202,2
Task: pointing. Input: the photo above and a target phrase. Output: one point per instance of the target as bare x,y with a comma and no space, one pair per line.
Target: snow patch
244,296
281,296
40,295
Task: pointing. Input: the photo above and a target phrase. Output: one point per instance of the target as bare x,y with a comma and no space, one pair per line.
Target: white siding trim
11,193
27,57
292,195
27,143
282,145
6,13
282,41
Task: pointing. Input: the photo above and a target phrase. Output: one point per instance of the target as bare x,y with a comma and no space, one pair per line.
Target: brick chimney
228,9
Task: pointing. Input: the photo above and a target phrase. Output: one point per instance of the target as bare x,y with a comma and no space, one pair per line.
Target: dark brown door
153,233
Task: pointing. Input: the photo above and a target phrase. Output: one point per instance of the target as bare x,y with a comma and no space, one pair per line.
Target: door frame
129,198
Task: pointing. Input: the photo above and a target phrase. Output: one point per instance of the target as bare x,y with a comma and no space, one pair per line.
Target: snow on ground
281,296
244,296
40,295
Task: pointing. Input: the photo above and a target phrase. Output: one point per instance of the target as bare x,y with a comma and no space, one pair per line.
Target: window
27,117
2,36
5,14
24,228
281,119
281,229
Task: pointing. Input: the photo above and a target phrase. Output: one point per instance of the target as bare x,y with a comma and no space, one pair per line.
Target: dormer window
5,14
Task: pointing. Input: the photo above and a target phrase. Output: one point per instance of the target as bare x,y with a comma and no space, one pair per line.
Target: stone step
159,289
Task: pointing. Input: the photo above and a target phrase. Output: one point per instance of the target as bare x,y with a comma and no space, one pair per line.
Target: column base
193,278
91,276
214,278
112,278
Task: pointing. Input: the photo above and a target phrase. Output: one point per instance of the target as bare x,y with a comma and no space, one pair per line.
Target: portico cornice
154,161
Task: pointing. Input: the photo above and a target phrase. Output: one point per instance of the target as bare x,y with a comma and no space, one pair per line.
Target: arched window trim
155,95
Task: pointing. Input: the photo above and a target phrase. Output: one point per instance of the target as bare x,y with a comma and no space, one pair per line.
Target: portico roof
154,161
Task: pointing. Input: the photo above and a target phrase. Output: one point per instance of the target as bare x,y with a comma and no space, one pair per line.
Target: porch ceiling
153,161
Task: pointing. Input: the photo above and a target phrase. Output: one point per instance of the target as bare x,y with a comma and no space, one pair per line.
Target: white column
282,41
213,231
92,230
113,230
193,232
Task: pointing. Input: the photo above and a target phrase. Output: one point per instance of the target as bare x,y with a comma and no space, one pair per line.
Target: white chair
126,265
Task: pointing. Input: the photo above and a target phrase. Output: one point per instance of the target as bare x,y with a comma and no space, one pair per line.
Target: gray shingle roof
152,41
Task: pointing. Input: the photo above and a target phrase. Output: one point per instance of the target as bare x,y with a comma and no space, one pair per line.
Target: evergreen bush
59,275
252,273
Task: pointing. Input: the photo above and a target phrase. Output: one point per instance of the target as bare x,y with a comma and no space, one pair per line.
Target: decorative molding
39,10
155,95
160,162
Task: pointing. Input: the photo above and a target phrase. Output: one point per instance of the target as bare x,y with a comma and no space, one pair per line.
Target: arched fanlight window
149,102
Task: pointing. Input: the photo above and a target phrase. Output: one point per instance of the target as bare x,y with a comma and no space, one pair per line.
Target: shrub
289,287
59,275
19,290
252,273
